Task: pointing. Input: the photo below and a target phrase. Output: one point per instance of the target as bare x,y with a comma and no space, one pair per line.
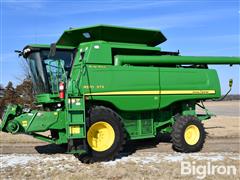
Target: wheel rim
100,136
191,135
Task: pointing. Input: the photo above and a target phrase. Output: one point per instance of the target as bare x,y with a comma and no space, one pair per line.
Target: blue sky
204,28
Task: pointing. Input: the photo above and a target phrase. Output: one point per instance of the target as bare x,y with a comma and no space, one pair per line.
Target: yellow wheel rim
100,136
191,135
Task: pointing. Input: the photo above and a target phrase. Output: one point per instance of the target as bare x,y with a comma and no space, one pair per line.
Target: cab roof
73,37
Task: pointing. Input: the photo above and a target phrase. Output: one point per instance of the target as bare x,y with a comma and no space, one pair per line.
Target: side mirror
230,83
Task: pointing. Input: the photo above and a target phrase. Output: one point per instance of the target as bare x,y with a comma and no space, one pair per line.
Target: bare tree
1,90
22,94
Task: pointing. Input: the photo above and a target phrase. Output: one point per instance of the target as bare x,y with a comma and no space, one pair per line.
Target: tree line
22,94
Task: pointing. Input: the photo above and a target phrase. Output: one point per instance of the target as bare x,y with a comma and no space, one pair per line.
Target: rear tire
105,135
188,134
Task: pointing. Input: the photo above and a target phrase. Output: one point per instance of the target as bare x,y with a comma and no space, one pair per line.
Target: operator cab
47,70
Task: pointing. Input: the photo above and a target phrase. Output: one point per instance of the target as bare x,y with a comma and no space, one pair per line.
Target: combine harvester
101,86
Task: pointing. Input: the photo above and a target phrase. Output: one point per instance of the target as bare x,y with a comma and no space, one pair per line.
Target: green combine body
99,87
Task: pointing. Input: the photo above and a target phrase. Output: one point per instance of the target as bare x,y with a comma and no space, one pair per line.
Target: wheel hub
100,136
192,135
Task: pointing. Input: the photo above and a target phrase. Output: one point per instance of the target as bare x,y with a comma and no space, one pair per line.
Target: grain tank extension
102,86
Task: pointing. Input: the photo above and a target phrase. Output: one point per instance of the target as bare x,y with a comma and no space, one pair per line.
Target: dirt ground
23,157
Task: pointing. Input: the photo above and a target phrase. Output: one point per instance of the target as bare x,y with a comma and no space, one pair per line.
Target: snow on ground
142,158
146,158
140,165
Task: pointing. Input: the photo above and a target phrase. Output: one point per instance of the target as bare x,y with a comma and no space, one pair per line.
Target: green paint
120,68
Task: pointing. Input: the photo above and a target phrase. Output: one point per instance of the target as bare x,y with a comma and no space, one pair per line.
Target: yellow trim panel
24,123
162,92
74,129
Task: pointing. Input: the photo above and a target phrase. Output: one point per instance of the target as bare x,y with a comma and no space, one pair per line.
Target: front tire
188,134
105,135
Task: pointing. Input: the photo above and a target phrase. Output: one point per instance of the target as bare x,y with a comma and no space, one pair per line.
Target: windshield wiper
52,51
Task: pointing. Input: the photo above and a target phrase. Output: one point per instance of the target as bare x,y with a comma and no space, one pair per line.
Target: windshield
46,72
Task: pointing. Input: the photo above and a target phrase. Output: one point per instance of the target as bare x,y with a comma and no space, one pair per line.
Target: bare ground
141,165
23,157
